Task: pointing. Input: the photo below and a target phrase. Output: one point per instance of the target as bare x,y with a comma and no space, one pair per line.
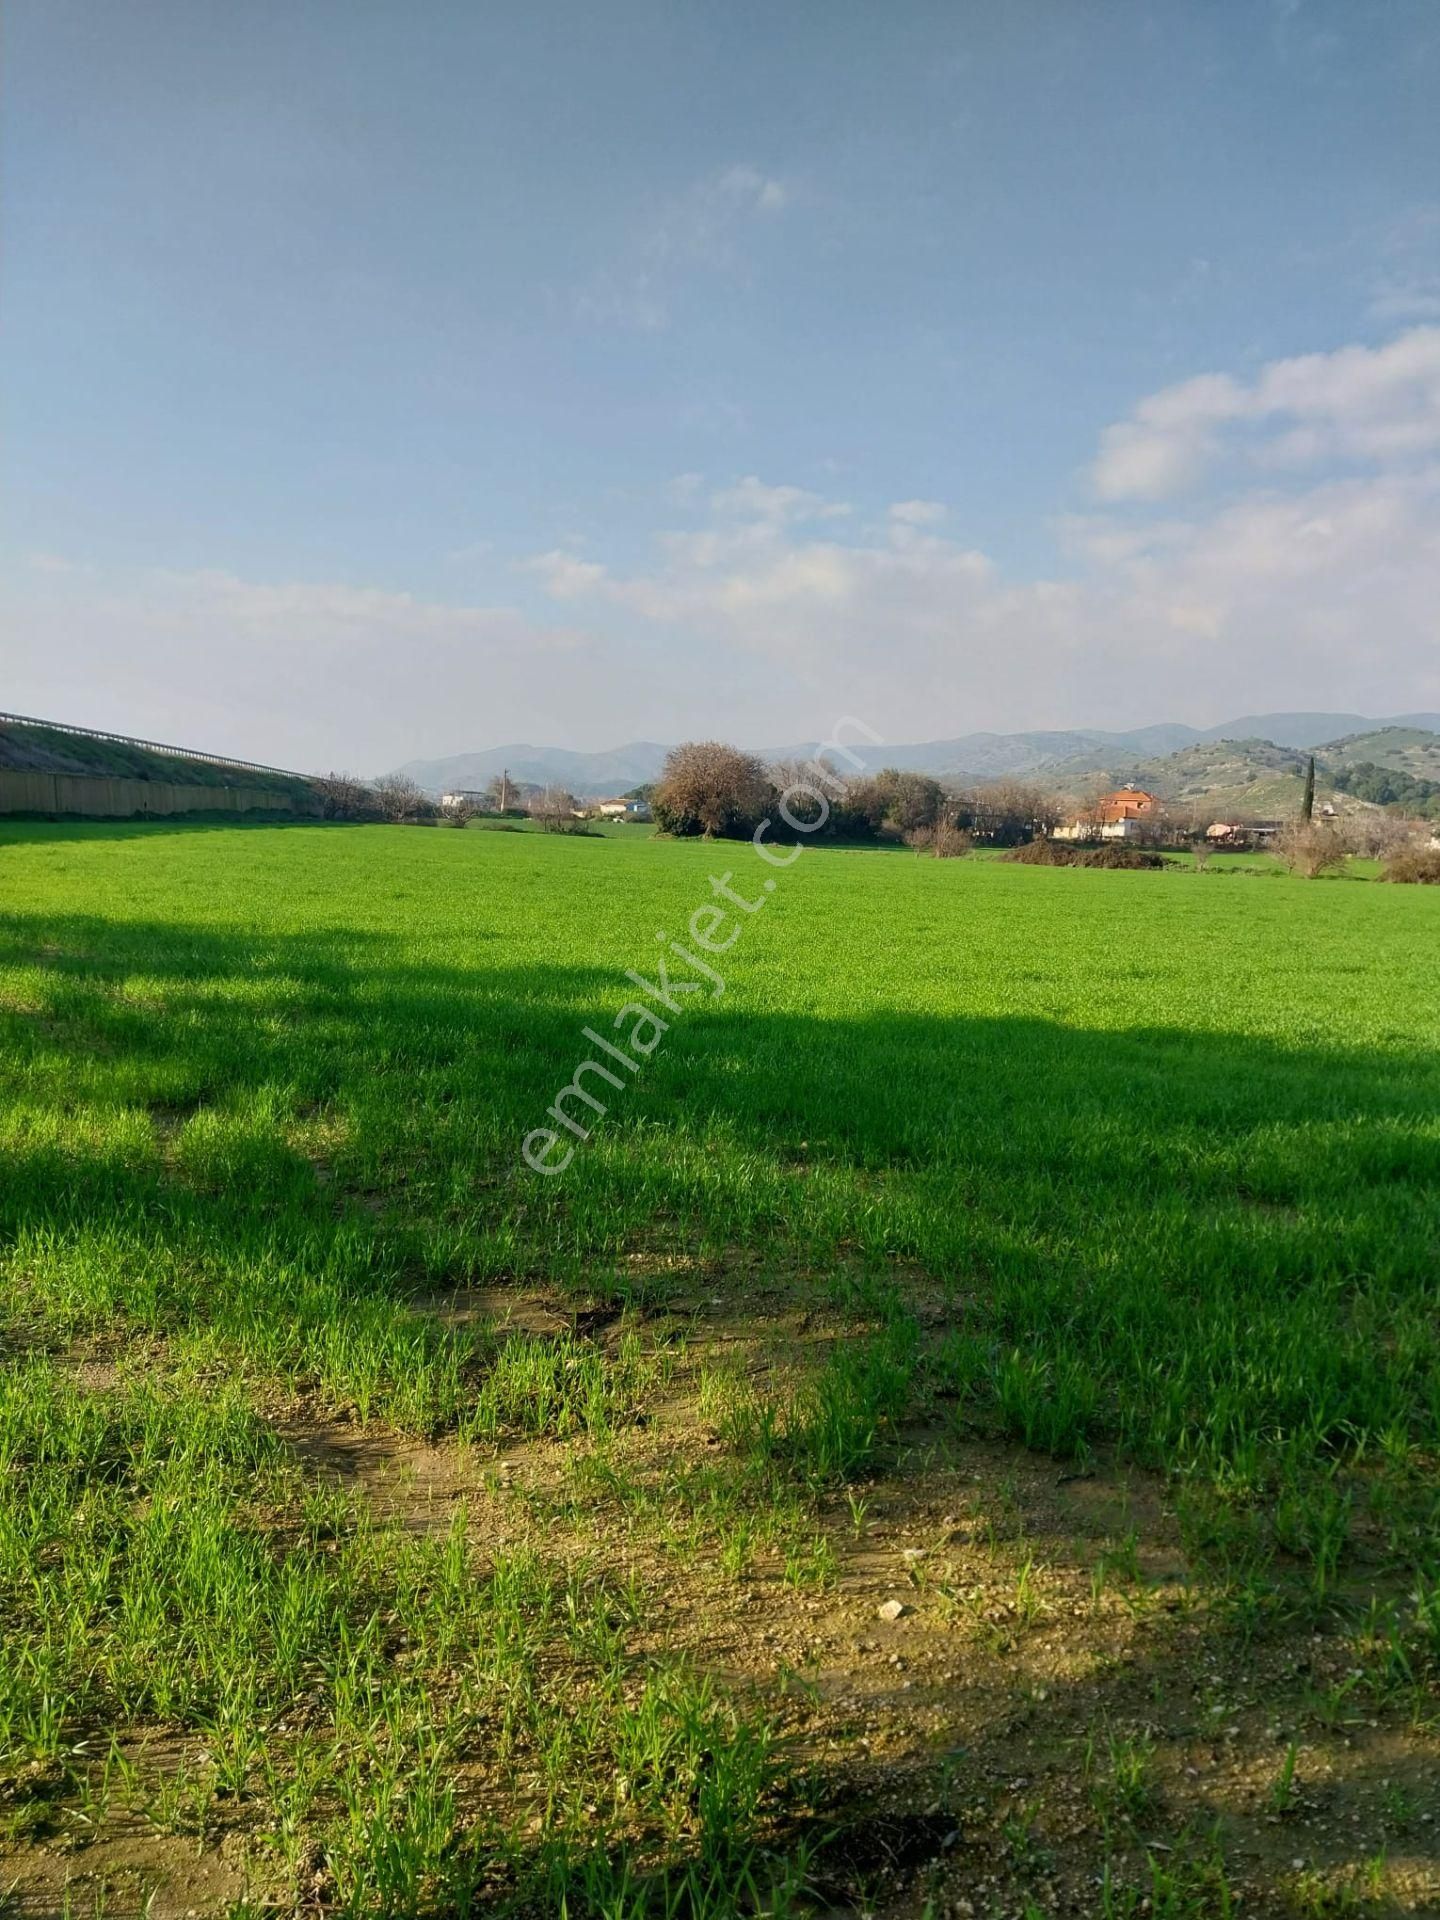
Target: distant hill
985,756
1065,754
586,774
1312,730
976,756
1408,749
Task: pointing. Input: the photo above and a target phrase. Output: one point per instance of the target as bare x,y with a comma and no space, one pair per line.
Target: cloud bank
1359,405
1312,579
1316,582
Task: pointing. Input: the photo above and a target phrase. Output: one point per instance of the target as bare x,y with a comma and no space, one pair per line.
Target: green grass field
1118,1178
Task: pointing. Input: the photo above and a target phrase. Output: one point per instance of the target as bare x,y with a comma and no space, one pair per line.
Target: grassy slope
1169,1144
1249,776
50,750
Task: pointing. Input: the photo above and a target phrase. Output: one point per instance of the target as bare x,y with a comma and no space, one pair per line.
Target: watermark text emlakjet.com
641,1025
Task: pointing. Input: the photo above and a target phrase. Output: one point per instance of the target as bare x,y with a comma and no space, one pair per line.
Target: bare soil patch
1004,1688
1056,1697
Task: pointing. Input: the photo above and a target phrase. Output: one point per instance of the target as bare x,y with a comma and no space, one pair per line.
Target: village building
1121,815
621,809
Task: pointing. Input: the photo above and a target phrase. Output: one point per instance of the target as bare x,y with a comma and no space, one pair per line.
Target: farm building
1239,834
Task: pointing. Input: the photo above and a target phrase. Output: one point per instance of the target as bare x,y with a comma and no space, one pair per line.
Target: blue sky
383,380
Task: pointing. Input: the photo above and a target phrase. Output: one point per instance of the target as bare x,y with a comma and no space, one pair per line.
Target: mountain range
1068,754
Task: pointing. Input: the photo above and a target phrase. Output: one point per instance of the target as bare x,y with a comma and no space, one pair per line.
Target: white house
1126,829
623,809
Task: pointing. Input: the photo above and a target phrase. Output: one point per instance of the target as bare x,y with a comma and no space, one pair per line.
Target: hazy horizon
381,387
942,733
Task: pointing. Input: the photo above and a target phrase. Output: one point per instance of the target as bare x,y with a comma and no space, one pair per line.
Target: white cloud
751,499
1169,440
1369,405
564,575
918,513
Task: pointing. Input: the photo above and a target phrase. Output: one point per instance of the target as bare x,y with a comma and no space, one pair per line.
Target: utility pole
504,789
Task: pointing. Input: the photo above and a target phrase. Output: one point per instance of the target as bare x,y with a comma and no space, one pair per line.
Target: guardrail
150,746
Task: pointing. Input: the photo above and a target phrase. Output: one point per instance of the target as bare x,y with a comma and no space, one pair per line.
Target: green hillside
1389,766
1405,749
1242,776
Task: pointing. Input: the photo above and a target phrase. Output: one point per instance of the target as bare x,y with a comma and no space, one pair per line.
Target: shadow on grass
1188,1227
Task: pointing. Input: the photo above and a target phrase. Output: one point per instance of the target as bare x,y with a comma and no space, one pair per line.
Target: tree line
719,791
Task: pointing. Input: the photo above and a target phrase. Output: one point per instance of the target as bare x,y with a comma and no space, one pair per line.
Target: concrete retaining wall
100,796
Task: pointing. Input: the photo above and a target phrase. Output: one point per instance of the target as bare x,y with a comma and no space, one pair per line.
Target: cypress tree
1307,805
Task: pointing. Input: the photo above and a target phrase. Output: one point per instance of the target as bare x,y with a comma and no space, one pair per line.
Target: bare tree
1376,834
943,841
709,788
1415,864
1006,813
814,793
403,802
344,797
1310,849
1165,825
1088,809
556,811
